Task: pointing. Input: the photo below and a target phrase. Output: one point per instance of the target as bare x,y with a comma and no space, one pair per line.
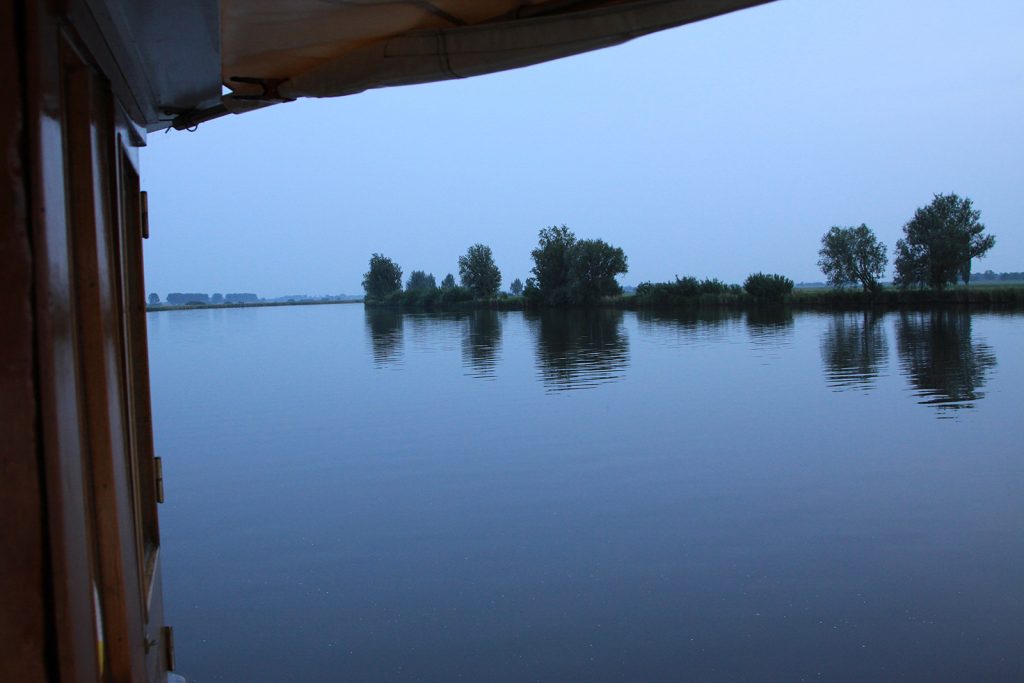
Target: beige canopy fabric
279,50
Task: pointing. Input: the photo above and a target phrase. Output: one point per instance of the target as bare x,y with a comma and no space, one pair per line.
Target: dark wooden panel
23,640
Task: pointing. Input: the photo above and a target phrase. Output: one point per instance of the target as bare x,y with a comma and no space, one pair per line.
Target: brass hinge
169,646
158,476
144,213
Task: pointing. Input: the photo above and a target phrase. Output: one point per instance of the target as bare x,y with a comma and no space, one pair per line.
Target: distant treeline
989,276
193,298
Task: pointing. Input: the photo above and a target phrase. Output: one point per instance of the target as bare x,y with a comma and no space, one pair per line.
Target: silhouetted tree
478,272
383,278
592,270
852,255
154,299
420,281
552,263
939,243
217,298
516,287
448,282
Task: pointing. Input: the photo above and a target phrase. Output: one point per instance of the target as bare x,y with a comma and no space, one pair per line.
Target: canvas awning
280,50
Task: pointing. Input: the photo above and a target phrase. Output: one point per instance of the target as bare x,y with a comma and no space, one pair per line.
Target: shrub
765,287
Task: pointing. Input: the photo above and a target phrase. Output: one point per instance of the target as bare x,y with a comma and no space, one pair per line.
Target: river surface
614,496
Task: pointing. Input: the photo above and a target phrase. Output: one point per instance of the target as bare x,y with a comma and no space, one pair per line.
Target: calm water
368,496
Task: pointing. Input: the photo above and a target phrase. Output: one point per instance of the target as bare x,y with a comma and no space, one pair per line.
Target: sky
717,149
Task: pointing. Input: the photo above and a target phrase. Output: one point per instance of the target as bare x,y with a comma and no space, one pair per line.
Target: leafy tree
516,287
592,270
765,287
552,263
383,277
939,243
217,298
420,281
570,271
478,272
448,282
852,255
154,299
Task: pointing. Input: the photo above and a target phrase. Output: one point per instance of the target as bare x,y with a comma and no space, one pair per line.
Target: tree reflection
945,366
481,341
385,330
854,348
691,326
580,349
769,325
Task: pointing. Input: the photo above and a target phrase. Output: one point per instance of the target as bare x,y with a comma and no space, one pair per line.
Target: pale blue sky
717,149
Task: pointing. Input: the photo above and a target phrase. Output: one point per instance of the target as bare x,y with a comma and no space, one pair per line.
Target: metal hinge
144,214
169,646
158,476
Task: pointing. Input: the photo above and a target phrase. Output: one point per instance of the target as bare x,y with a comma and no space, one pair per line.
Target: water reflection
580,349
385,330
481,341
695,326
853,349
944,365
770,328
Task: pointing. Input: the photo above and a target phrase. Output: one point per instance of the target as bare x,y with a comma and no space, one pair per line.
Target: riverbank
254,304
985,295
824,298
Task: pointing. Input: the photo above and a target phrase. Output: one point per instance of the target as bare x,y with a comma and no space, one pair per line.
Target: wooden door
80,483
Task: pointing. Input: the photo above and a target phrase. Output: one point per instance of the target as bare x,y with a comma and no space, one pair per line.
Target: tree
939,243
516,287
420,281
217,298
383,277
552,260
852,255
478,272
570,271
448,282
592,270
154,299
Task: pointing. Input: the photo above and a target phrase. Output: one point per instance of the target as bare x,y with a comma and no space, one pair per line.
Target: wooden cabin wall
79,541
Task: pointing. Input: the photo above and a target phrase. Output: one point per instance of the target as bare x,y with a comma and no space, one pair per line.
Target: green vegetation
571,272
1002,296
939,243
420,281
850,256
768,288
383,278
478,272
687,291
